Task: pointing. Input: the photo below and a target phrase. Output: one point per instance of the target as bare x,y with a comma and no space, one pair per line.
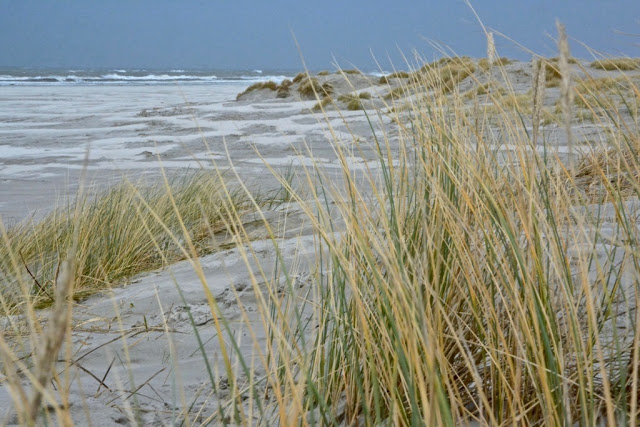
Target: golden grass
571,60
284,90
397,93
322,104
485,89
310,87
502,61
552,74
350,97
113,231
354,101
444,74
271,85
298,77
461,290
617,64
483,64
395,75
473,281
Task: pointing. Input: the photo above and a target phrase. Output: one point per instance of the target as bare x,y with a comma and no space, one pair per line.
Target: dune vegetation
271,85
117,235
617,64
479,276
310,87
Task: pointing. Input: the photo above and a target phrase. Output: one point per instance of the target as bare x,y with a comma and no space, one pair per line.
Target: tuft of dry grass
617,64
445,74
323,73
322,104
397,93
310,87
354,101
395,75
284,90
270,85
484,63
502,61
553,75
298,77
571,60
113,232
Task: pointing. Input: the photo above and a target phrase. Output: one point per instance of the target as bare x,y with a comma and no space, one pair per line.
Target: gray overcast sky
241,34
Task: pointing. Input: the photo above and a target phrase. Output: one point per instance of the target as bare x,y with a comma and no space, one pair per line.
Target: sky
248,34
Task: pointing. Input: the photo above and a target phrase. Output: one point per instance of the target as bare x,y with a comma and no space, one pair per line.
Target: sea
58,76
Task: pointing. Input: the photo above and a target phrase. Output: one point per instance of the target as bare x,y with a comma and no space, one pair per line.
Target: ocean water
57,76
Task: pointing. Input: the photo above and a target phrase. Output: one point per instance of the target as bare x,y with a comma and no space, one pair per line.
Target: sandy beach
134,345
135,130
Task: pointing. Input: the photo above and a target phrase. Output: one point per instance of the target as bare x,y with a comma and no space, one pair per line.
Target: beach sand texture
134,131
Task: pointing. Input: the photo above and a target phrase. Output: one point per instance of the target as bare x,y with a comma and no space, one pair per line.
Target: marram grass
472,290
117,230
476,279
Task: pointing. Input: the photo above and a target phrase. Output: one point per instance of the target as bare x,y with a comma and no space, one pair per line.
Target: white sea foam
378,73
277,79
157,77
119,77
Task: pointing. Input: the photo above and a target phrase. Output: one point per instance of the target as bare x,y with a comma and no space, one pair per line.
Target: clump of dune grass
352,71
502,61
473,293
310,87
394,75
485,64
283,90
354,105
606,93
521,102
553,74
485,89
113,232
298,77
349,97
323,73
397,93
354,101
270,85
617,64
446,73
571,59
322,104
588,90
